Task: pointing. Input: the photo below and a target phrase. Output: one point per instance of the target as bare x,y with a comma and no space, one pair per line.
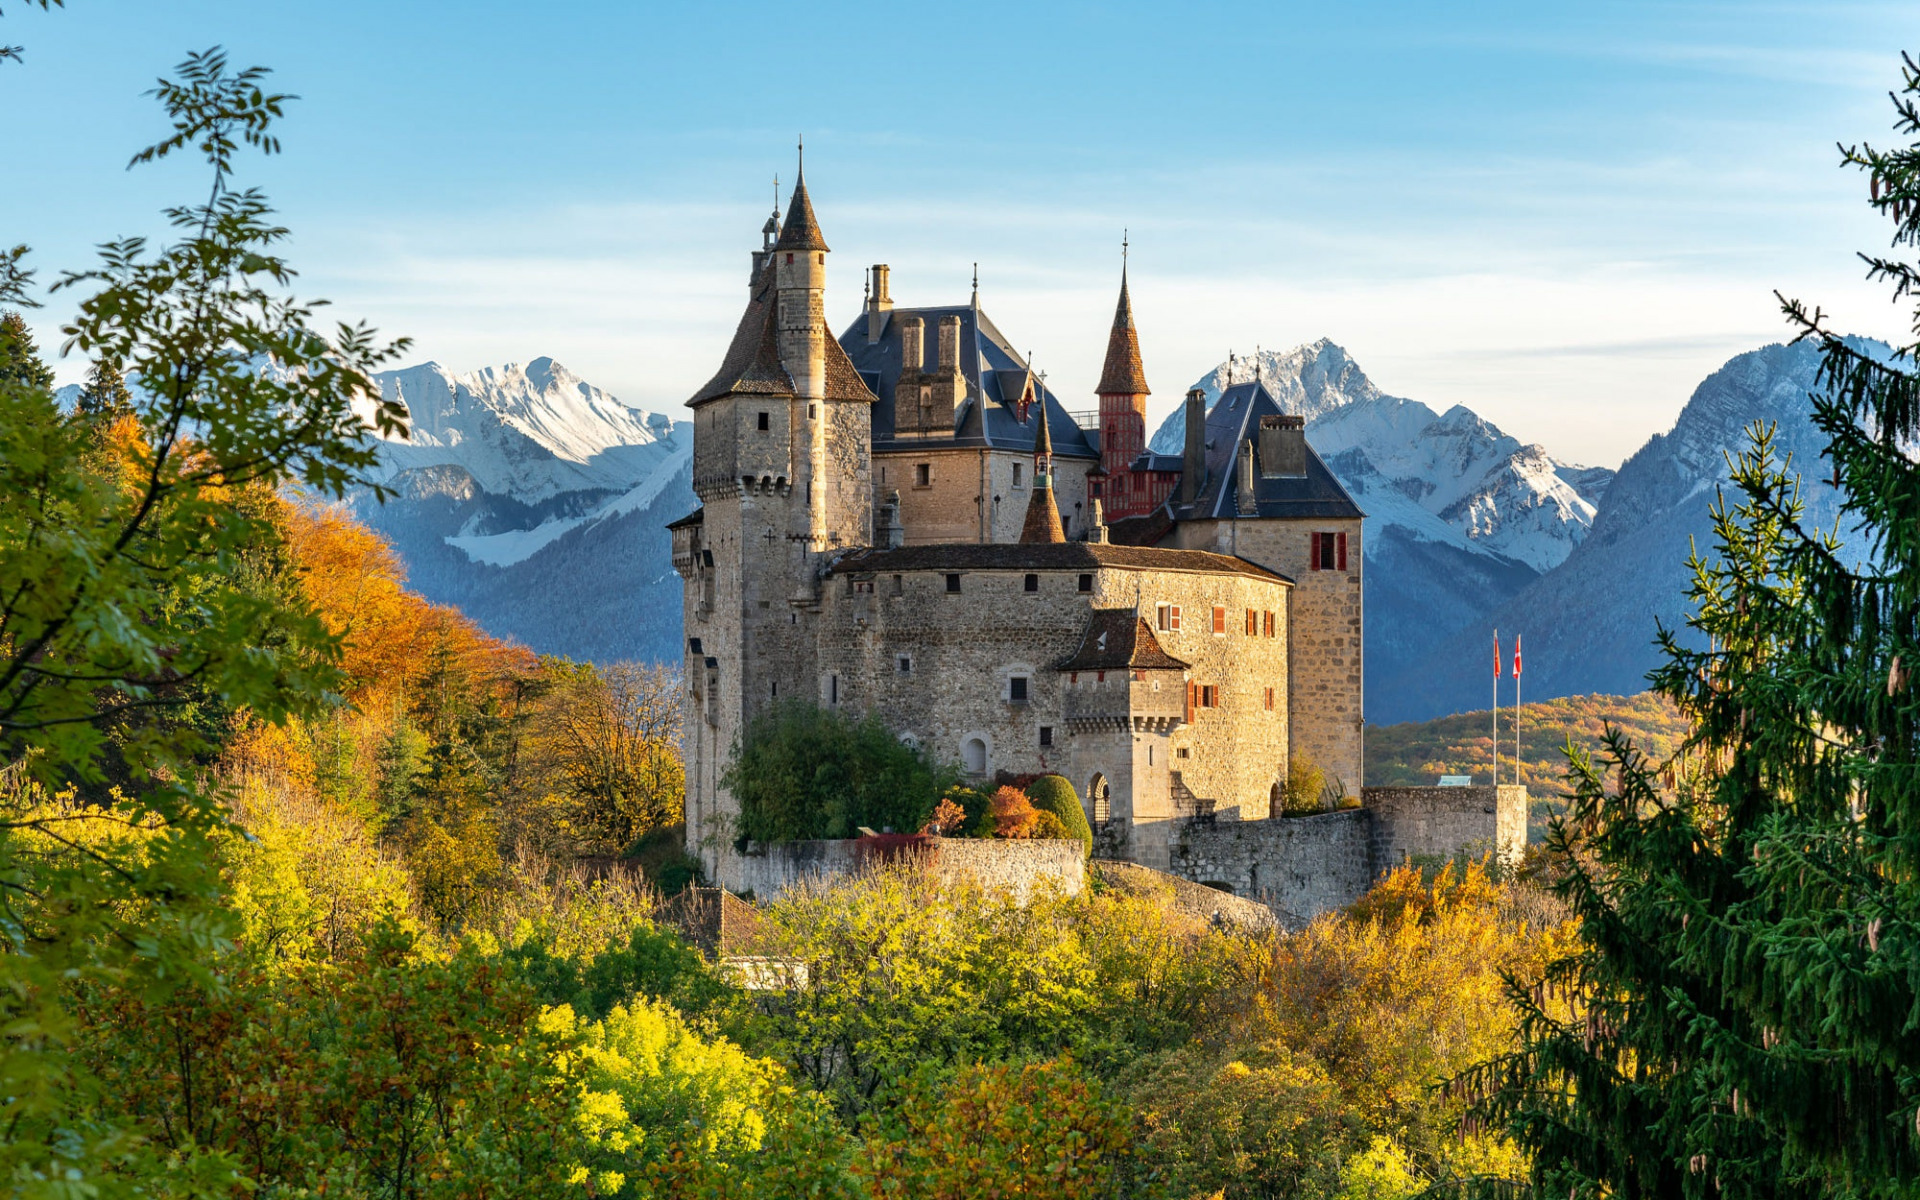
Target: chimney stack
879,304
1243,499
1097,529
1193,466
913,344
1283,447
892,534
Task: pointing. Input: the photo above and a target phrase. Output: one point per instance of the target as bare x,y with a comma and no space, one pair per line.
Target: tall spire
1122,374
801,231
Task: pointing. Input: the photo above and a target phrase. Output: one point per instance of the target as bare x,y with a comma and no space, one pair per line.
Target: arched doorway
1100,800
973,756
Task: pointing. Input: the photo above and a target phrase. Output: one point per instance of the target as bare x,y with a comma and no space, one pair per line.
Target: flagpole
1516,708
1496,708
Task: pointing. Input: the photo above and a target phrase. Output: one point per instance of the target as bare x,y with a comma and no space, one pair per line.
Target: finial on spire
976,286
801,143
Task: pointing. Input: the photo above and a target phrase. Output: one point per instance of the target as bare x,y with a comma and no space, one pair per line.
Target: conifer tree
20,361
105,396
1739,1018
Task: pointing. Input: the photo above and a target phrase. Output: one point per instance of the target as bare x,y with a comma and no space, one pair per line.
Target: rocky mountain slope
535,503
1589,623
1461,516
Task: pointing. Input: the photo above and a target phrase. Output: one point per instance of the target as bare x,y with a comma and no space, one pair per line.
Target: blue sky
1562,216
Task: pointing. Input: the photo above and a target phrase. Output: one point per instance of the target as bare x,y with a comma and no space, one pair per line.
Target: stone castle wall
1298,866
1325,625
1018,867
1305,866
948,507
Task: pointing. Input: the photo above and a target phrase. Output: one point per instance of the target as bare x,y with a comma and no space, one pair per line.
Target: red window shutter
1342,550
1314,561
1189,703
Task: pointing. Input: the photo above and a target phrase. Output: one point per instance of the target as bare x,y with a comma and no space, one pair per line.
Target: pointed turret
800,231
1043,516
1123,411
1123,375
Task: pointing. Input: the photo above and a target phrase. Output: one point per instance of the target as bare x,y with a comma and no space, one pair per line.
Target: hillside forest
310,888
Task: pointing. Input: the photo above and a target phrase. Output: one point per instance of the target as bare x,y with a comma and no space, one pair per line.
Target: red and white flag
1496,654
1516,656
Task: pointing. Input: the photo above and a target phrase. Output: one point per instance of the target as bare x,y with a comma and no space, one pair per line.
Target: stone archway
1099,801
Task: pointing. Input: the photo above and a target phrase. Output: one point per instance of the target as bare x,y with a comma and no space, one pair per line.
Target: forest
309,887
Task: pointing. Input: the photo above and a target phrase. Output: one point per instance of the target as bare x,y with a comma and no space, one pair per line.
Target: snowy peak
529,431
1496,495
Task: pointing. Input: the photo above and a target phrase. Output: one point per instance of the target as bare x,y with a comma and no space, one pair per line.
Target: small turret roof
752,365
800,231
1117,639
1123,375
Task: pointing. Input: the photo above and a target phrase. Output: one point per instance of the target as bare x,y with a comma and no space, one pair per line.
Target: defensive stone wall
1298,866
1019,867
1441,822
1304,866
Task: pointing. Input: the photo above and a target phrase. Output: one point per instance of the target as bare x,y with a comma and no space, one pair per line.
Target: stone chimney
949,384
913,345
1193,464
879,304
892,534
1097,526
1244,503
1283,447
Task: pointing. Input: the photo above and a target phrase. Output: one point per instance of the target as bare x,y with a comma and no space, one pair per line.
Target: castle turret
1123,408
1043,515
800,280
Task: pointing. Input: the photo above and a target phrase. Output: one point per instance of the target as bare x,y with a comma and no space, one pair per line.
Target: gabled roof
1118,639
1123,375
1233,419
996,376
752,364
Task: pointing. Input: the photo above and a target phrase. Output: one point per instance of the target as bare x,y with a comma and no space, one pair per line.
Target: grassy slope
1419,752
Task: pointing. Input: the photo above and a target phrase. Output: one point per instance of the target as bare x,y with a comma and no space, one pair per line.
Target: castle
905,520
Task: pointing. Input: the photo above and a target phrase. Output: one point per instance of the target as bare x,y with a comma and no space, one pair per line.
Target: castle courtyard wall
1020,868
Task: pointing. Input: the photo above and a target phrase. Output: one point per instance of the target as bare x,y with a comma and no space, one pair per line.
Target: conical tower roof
801,231
1123,375
1042,441
1043,515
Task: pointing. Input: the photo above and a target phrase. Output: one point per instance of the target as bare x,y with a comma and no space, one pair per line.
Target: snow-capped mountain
530,432
517,478
1505,498
1589,624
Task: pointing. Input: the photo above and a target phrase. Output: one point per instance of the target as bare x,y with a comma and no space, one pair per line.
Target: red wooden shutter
1314,561
1189,703
1341,543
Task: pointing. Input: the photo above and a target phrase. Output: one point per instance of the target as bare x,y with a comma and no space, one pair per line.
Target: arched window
973,756
1099,797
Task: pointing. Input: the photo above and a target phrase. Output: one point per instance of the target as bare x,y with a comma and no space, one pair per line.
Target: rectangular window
1253,623
833,689
1086,583
1329,552
1099,676
1269,699
1046,735
899,586
1017,689
763,422
1267,623
1168,617
1031,583
1183,752
953,583
1209,695
906,665
922,475
1220,619
1016,474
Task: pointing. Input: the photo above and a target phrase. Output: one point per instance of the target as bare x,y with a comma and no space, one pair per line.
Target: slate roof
1123,375
1118,639
1235,418
1046,556
800,231
996,376
752,363
697,517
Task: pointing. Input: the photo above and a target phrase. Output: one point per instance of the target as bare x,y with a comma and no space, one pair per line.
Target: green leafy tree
1053,794
808,772
118,598
1742,995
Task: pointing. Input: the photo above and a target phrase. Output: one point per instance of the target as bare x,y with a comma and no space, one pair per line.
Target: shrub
1047,827
806,772
1305,784
948,819
1053,794
1014,816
